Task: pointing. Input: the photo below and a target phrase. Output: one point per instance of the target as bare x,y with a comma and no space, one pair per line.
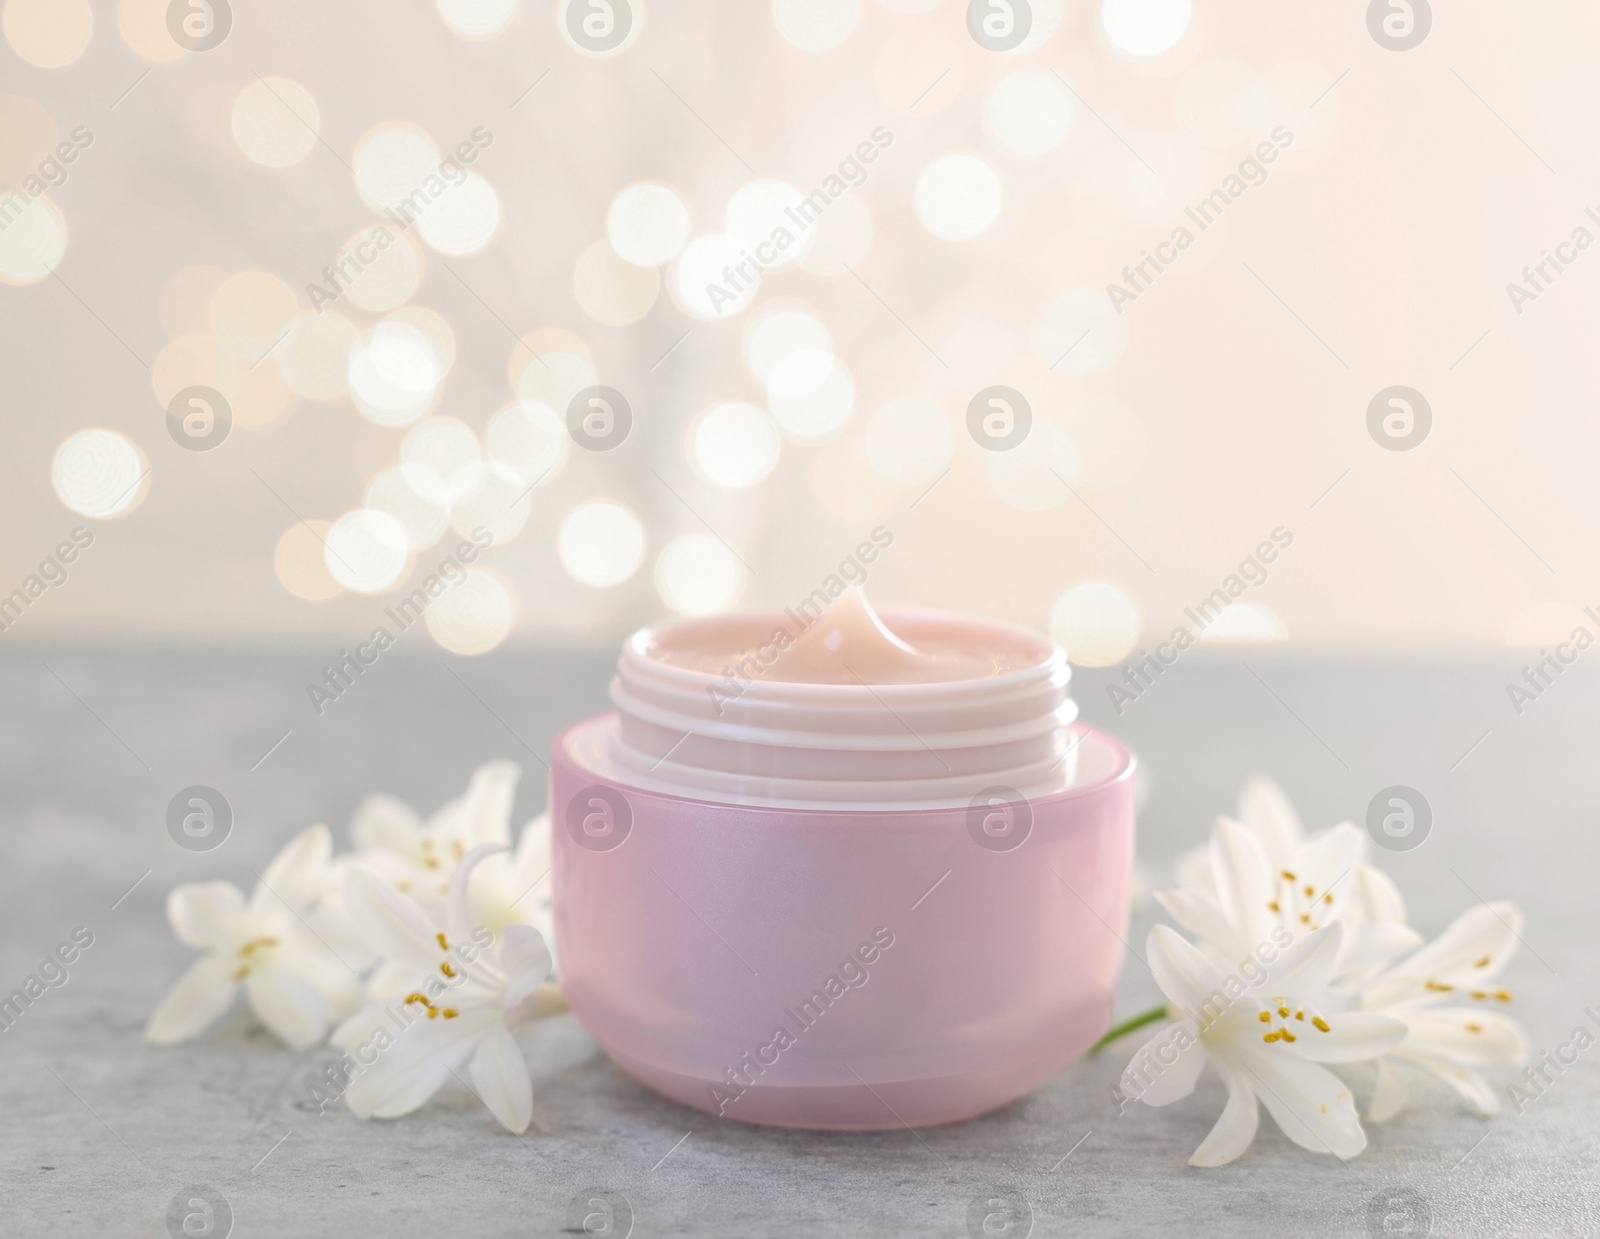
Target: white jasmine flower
1368,987
514,888
1267,1044
295,984
419,858
1454,1042
1317,878
1246,901
467,993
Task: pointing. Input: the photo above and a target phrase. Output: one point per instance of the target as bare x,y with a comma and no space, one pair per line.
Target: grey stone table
101,1131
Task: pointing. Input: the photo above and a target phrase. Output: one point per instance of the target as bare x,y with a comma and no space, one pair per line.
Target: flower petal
330,920
203,913
1329,861
500,1074
360,1028
1352,1037
1475,946
545,1001
201,995
458,924
288,1004
325,970
1240,869
390,981
1389,1094
295,875
1267,810
1306,969
1369,947
1236,1127
420,1059
1185,976
387,1094
1473,1086
483,815
382,823
1163,1070
533,849
1465,1037
1201,916
392,924
1192,871
1311,1105
1380,897
525,960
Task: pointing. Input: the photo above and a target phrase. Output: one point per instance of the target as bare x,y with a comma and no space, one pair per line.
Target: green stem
1129,1025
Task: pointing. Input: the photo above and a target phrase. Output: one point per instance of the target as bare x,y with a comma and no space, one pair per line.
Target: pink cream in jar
865,874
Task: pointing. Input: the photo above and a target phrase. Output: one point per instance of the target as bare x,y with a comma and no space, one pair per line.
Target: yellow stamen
1482,963
1310,891
1320,1024
447,970
1287,1035
1288,876
1271,1036
1439,987
450,1013
443,945
1477,1028
1266,1017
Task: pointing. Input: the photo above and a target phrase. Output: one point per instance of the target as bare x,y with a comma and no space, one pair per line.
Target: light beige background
1377,252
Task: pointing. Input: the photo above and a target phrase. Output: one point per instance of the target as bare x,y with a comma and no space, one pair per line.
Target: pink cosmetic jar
851,900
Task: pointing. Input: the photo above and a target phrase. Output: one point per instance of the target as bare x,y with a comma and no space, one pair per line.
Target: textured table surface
102,1131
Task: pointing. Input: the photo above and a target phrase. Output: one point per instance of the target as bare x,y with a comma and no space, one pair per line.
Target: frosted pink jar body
840,968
